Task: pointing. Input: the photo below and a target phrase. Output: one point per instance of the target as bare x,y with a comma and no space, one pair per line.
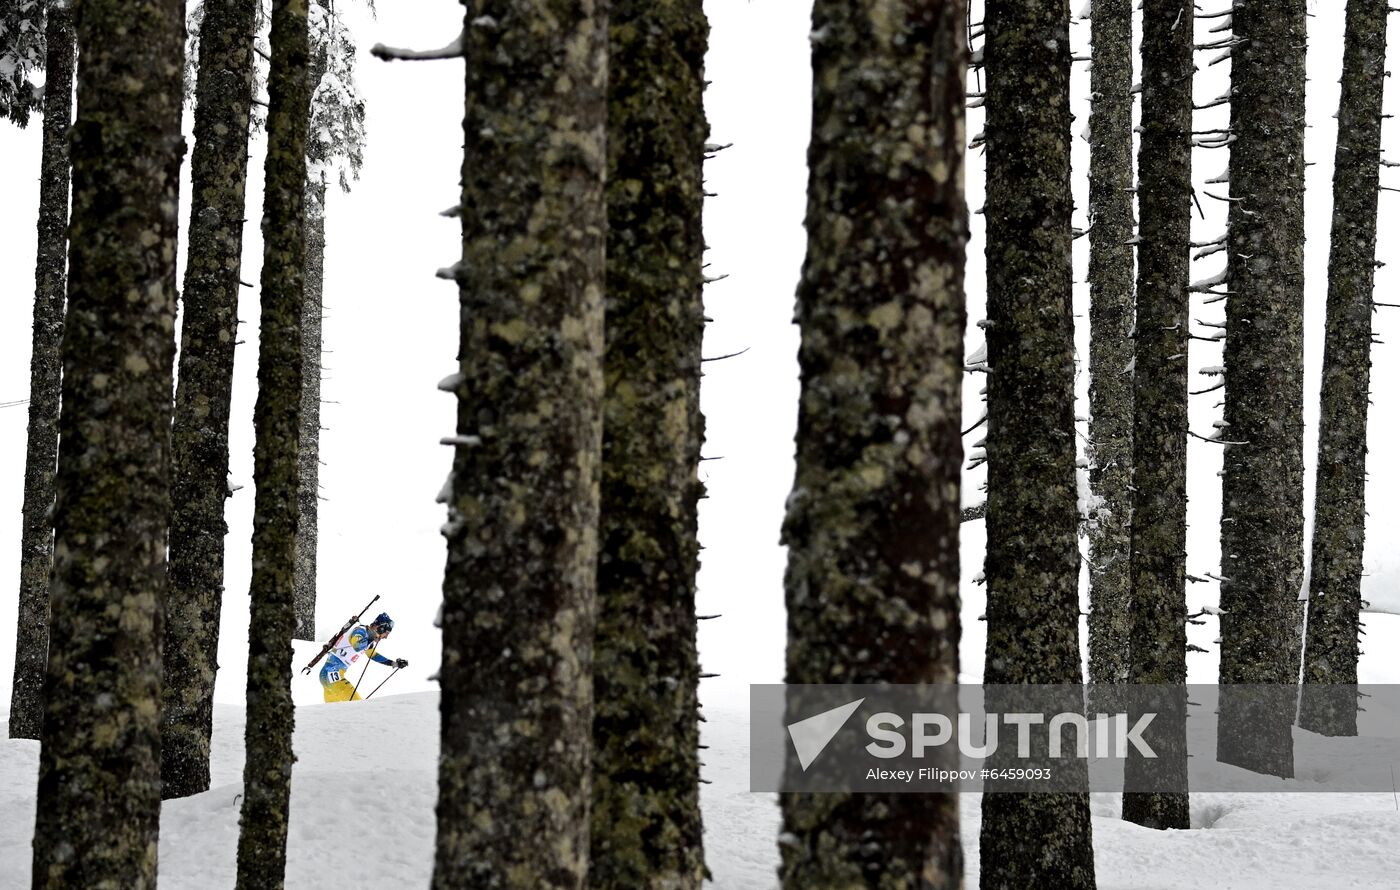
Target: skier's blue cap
383,623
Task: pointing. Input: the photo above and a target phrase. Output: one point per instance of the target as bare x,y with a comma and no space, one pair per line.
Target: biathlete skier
362,639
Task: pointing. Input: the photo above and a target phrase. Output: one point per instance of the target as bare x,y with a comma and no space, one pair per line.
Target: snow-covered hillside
364,790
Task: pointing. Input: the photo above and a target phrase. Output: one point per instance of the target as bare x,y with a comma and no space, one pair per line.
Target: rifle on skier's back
330,644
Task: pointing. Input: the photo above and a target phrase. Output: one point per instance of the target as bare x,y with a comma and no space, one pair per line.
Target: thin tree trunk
872,524
1110,337
45,382
199,437
98,807
1261,530
522,540
1032,565
646,828
309,449
1339,514
262,837
1158,642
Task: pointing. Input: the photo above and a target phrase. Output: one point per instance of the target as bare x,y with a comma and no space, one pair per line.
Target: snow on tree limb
453,50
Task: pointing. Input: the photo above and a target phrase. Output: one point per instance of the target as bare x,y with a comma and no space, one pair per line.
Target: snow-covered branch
453,50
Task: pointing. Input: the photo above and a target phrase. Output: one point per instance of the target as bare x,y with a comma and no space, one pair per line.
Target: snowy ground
387,750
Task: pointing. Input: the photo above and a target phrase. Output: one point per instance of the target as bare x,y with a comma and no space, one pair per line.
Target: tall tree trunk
309,449
872,524
1032,567
1158,642
1339,514
262,837
1261,526
45,382
646,828
199,437
98,808
1110,337
522,536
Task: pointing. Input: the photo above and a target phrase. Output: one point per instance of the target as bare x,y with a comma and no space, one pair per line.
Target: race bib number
333,676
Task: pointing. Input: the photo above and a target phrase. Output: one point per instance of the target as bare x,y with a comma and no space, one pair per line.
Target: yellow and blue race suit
346,651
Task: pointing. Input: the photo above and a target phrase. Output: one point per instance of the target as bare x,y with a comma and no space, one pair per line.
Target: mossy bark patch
1032,563
45,382
1110,337
1339,513
98,807
1261,525
267,773
199,436
646,828
1160,393
872,522
522,532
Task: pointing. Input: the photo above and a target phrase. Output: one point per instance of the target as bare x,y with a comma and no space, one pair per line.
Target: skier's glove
401,663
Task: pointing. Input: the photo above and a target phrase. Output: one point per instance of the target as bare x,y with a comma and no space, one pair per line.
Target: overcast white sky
391,335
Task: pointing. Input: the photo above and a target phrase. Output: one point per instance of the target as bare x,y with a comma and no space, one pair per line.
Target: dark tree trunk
262,837
309,449
45,382
199,438
1261,526
1032,567
1339,514
522,540
98,808
1110,337
1158,642
646,829
872,524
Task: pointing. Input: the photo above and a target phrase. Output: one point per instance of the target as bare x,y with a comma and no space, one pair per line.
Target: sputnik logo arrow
811,736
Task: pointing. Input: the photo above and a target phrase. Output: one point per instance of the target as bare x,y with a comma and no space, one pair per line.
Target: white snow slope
384,753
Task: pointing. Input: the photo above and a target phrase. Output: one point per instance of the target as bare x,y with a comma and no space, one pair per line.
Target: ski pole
361,680
338,634
381,683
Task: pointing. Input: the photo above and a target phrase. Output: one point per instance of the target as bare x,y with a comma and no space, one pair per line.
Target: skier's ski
338,634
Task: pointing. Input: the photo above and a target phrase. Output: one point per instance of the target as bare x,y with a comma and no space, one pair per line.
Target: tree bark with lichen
98,805
646,827
1261,526
309,447
267,773
522,533
1110,337
1339,514
45,382
1032,563
872,523
199,435
1157,654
